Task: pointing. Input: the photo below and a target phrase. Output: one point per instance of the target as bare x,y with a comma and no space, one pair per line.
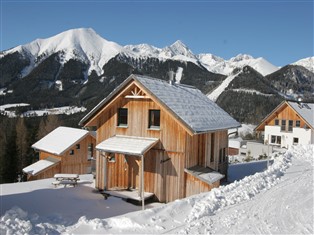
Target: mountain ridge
96,51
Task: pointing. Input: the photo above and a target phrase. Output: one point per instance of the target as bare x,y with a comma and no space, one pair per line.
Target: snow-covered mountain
85,45
307,63
82,44
218,65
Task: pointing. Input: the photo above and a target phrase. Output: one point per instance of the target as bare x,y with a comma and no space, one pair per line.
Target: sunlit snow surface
277,200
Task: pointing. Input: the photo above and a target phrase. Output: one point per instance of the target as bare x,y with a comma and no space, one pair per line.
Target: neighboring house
234,146
290,123
159,137
64,150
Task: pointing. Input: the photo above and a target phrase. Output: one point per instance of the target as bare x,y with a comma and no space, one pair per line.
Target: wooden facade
283,112
291,123
75,160
178,148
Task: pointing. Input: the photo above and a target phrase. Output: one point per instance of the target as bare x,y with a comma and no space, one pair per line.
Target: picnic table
66,179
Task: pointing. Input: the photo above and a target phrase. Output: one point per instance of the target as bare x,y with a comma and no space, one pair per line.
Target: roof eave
102,103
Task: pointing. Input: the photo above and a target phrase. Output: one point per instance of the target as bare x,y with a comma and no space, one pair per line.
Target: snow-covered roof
40,166
186,103
235,142
204,174
127,145
305,110
60,140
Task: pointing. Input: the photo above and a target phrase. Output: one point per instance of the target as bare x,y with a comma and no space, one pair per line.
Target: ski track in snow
260,216
217,92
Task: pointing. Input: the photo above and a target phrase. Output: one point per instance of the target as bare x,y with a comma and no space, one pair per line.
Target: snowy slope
82,44
307,63
217,92
276,201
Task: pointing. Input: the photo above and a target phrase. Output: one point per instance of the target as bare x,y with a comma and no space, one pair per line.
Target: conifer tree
22,144
48,125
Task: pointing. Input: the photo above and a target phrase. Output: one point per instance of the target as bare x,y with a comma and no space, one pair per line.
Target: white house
290,123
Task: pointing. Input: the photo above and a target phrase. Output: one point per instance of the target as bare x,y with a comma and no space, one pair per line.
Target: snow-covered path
284,209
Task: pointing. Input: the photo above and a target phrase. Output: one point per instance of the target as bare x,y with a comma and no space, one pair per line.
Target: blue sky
279,31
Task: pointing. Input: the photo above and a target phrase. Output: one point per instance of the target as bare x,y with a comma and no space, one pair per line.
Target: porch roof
130,145
204,174
40,166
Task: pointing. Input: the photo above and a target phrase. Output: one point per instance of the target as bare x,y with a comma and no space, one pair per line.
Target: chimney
171,77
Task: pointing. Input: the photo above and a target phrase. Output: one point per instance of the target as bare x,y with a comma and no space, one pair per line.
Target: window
212,147
90,150
297,123
71,152
275,139
276,122
290,126
122,117
154,119
295,140
283,125
78,146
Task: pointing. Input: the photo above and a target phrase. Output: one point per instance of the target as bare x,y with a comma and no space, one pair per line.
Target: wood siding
77,163
284,112
287,113
164,164
196,186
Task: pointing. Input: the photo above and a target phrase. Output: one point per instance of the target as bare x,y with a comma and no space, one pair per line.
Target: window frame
121,119
290,127
276,122
151,123
275,139
294,140
298,123
283,125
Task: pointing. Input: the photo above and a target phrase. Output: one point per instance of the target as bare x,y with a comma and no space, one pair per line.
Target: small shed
64,150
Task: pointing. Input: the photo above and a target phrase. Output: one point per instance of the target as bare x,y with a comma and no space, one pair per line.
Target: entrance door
133,164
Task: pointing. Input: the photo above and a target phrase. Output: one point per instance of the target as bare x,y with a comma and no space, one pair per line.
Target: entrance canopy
41,166
129,145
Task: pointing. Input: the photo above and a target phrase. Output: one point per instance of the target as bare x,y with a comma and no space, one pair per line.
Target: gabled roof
60,140
304,110
187,104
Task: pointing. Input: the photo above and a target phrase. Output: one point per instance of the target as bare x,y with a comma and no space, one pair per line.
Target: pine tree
45,127
10,171
3,142
22,144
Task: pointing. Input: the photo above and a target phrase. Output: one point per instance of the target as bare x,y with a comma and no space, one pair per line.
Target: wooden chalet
64,150
159,137
290,123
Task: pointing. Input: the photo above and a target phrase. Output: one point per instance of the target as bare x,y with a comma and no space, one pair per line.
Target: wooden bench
66,179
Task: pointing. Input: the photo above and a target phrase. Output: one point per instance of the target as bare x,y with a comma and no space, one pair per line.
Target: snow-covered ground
277,200
68,110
